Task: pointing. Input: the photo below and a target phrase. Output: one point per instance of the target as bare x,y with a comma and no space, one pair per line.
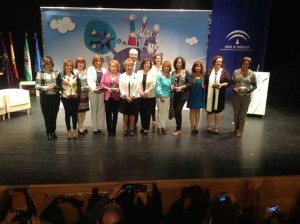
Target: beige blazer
150,83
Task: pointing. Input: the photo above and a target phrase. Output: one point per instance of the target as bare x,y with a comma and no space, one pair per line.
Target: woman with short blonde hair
96,93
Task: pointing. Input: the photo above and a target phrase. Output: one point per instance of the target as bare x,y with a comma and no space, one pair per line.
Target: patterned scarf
214,78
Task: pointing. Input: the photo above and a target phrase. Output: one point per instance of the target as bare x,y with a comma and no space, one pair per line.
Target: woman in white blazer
146,81
96,94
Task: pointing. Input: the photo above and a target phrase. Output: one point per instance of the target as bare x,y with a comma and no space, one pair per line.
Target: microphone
257,68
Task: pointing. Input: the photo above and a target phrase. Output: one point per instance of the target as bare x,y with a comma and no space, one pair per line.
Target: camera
222,197
273,208
135,187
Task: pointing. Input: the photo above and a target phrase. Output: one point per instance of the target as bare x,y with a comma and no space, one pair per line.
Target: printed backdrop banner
238,29
72,32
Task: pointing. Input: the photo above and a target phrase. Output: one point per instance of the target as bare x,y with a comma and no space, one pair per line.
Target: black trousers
145,107
50,108
71,108
111,113
153,112
178,106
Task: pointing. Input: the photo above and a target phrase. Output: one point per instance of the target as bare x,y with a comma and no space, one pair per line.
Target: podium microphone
257,68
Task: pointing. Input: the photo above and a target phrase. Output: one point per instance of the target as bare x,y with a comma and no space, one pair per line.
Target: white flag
27,61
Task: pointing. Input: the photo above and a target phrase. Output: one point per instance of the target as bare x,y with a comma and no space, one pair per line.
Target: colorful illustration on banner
101,38
112,34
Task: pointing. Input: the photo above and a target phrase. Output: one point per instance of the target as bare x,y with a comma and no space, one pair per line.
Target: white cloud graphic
191,40
62,25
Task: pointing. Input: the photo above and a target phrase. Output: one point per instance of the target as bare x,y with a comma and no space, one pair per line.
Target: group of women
203,89
108,92
79,91
217,79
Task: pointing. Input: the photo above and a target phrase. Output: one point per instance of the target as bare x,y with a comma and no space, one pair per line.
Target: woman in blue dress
196,99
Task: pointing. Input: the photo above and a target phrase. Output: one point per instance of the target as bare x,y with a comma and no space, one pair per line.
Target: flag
38,58
27,61
13,60
5,63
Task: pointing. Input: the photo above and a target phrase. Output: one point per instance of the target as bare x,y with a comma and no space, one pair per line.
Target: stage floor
270,146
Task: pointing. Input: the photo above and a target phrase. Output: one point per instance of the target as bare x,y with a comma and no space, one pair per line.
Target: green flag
27,61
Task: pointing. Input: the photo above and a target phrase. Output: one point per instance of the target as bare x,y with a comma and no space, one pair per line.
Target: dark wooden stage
270,146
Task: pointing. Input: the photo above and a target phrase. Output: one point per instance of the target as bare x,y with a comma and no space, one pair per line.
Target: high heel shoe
81,132
176,133
194,132
69,134
216,131
74,135
233,132
208,131
50,136
54,135
238,134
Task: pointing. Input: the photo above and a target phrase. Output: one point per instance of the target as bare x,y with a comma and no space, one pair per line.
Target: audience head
112,213
52,215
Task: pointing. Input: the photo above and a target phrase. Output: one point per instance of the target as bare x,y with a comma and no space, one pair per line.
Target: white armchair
16,100
2,106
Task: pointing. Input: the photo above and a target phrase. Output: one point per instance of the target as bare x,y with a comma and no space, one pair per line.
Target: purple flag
5,68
